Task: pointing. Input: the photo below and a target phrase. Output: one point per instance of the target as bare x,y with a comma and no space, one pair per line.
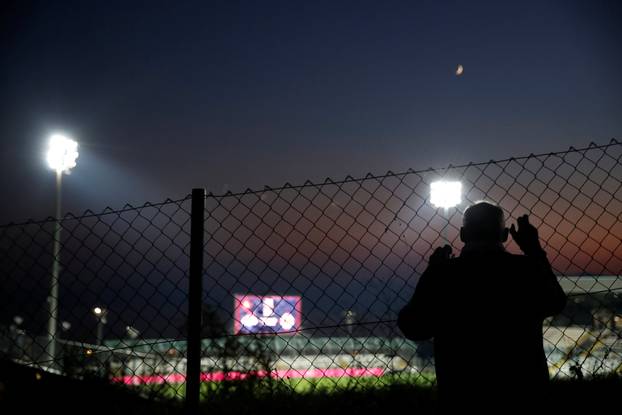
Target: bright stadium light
62,153
98,311
61,157
445,194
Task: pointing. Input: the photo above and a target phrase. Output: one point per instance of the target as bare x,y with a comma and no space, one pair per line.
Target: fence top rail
308,183
369,176
91,214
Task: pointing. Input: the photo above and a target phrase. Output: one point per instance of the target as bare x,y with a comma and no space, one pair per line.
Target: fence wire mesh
122,275
302,284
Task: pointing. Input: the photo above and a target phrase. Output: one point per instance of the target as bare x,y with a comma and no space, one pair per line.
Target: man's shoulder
521,259
515,257
504,258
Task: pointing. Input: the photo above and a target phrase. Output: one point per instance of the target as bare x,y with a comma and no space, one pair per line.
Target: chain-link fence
301,284
122,275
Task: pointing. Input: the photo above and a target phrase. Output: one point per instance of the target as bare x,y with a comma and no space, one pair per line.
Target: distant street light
132,332
100,314
445,194
61,157
66,326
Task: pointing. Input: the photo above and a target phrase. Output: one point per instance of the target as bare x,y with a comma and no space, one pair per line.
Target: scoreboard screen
267,314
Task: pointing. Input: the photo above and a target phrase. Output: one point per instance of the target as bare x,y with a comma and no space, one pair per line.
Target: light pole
16,338
445,194
61,157
350,318
100,314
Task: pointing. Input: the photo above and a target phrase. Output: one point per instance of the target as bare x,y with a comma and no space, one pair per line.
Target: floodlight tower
445,194
61,157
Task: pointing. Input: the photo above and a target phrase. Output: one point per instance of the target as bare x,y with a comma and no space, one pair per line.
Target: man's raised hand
440,255
526,236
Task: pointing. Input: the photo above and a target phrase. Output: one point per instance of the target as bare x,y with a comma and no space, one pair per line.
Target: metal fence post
195,291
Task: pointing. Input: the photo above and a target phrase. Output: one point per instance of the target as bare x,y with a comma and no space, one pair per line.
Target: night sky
167,96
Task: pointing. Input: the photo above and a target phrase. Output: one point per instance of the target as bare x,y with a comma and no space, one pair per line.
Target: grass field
29,390
210,390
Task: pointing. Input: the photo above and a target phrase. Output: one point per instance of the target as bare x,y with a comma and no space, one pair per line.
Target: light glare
62,153
445,194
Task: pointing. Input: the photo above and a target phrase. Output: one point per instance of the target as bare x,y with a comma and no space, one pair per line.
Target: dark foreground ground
25,390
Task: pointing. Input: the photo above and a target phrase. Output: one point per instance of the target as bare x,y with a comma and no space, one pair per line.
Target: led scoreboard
267,314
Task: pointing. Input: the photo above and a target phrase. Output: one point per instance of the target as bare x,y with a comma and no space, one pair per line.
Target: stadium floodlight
445,194
61,157
62,153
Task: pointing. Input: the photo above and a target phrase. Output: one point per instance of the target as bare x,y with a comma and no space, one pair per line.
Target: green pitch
295,385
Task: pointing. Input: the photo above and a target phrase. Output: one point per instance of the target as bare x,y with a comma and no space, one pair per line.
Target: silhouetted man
484,309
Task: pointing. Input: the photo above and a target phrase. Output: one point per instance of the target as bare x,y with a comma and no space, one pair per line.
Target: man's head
483,222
